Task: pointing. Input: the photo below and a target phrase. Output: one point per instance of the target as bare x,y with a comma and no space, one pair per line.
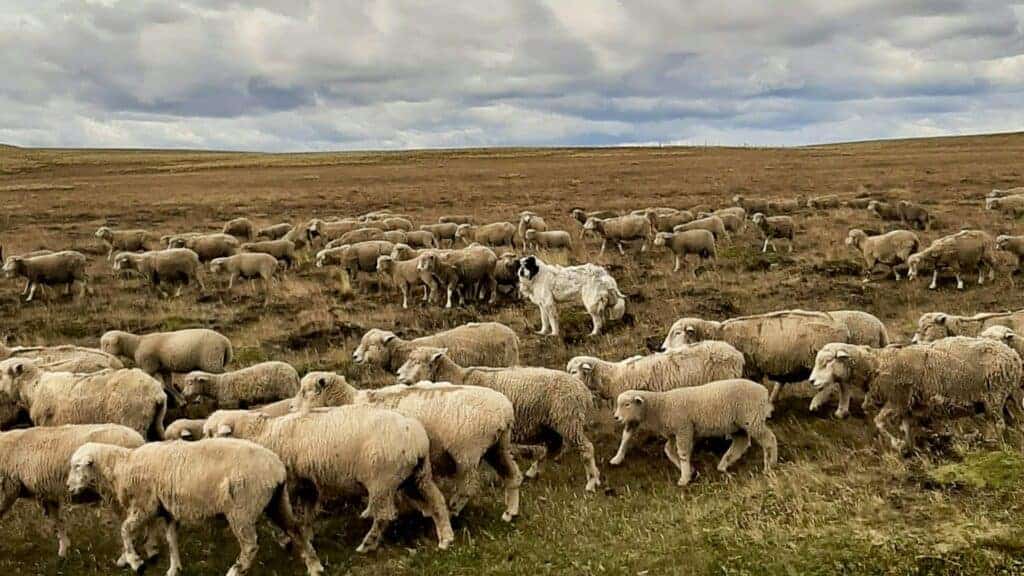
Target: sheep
914,214
406,276
750,204
506,274
858,203
884,210
912,380
247,265
66,267
162,354
547,403
166,240
275,231
699,242
823,202
208,246
470,268
581,216
319,232
495,234
734,218
283,250
186,429
457,220
395,223
772,227
442,231
257,384
34,464
937,325
734,408
865,330
621,229
787,206
779,346
128,396
997,193
548,240
890,249
179,266
240,228
355,258
191,482
356,236
693,365
666,222
64,358
957,252
123,240
28,283
713,224
420,239
334,451
659,211
475,344
441,408
1012,206
529,221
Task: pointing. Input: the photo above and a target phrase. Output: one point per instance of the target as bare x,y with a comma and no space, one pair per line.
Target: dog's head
529,267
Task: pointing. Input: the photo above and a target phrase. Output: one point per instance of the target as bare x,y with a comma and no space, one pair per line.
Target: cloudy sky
338,74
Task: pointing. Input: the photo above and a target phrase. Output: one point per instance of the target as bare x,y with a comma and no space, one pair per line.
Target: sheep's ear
842,355
16,369
186,434
940,319
389,338
437,355
321,383
638,400
224,430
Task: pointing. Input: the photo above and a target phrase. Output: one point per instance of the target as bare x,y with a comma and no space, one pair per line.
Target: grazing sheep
457,220
732,408
186,429
476,344
773,227
937,325
890,249
858,203
65,268
1012,206
865,330
914,214
442,231
734,218
179,266
208,246
469,271
713,224
997,193
692,365
823,202
128,397
496,234
663,222
191,482
699,242
779,346
283,250
162,354
64,358
406,276
355,258
912,381
549,240
275,231
547,402
123,240
319,232
751,205
34,464
257,384
420,239
776,207
240,228
581,216
255,265
621,229
547,285
965,250
884,210
336,451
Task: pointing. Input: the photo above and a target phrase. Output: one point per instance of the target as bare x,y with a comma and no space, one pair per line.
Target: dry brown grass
839,503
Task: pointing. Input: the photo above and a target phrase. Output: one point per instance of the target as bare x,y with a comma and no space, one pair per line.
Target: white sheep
285,251
57,268
733,408
667,221
621,229
933,326
64,358
275,231
208,246
189,429
823,202
123,240
1012,205
547,402
772,227
251,386
699,242
891,249
548,240
712,223
406,276
249,266
241,228
474,344
957,253
442,231
494,234
179,266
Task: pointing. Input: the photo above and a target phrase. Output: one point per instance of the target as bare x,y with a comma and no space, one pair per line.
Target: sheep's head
320,389
196,384
582,367
217,265
992,203
1003,334
914,265
592,223
428,262
83,477
104,233
176,243
855,236
662,238
13,266
1002,241
12,371
385,263
935,326
737,199
630,408
759,219
233,424
579,215
422,364
124,261
373,348
464,233
402,252
686,331
113,343
833,365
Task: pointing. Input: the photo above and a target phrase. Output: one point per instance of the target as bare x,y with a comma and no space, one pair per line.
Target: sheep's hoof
841,414
363,549
508,516
445,543
592,485
616,461
682,482
541,332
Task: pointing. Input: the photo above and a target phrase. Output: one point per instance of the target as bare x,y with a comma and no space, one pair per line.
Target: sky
295,75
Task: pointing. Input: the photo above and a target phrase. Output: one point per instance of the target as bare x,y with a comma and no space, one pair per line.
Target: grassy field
840,503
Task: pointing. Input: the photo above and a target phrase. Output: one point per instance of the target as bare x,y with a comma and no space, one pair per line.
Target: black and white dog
547,285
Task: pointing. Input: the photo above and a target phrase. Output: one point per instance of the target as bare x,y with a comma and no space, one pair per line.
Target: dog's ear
528,267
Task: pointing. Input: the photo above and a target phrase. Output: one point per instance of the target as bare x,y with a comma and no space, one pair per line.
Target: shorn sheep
406,276
123,240
548,240
241,228
275,231
775,227
64,358
208,246
55,269
698,242
631,228
191,482
335,452
733,408
547,285
692,365
283,250
957,253
257,384
34,464
891,249
933,326
128,397
189,429
179,266
248,266
551,407
475,344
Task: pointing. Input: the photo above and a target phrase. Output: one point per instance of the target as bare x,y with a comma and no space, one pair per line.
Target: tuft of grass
998,470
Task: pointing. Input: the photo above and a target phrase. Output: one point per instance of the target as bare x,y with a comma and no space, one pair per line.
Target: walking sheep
53,269
179,266
957,253
621,229
884,210
284,251
208,246
275,231
865,330
699,242
257,384
249,266
937,325
713,224
549,240
123,240
914,214
891,249
773,227
64,358
406,276
1012,205
495,234
475,344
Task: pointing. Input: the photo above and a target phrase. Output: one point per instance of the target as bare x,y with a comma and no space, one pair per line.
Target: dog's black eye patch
529,267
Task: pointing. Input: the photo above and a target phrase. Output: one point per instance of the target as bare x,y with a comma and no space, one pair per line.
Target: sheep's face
217,265
1002,241
384,263
195,385
11,266
373,349
992,203
582,368
832,365
630,409
759,219
934,326
914,265
103,233
83,478
10,372
316,390
122,262
683,333
176,243
855,237
111,343
590,224
464,233
662,238
422,364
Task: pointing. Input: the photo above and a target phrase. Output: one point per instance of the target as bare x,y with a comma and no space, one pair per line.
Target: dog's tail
615,304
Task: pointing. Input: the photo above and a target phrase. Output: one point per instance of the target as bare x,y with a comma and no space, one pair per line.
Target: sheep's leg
500,458
171,533
622,252
248,544
676,268
586,450
790,245
775,391
822,397
51,510
775,249
28,284
32,292
381,507
620,455
466,482
684,447
880,423
451,289
670,451
981,275
283,516
739,446
604,244
844,401
906,426
935,280
535,453
765,438
435,505
765,247
959,282
132,522
405,295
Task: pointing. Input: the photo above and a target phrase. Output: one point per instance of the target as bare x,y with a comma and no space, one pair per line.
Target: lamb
823,202
958,372
275,231
66,267
530,221
240,228
548,404
699,242
772,227
779,346
957,252
713,224
667,222
470,268
496,234
547,285
406,276
914,214
621,229
248,265
191,482
884,210
179,266
1012,205
420,239
734,218
475,344
186,429
334,451
457,220
581,216
128,397
751,205
355,258
693,365
64,358
487,434
734,408
123,240
208,246
937,325
34,464
549,240
257,384
890,249
442,231
283,250
163,353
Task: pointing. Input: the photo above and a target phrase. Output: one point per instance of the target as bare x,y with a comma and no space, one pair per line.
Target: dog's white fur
547,285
